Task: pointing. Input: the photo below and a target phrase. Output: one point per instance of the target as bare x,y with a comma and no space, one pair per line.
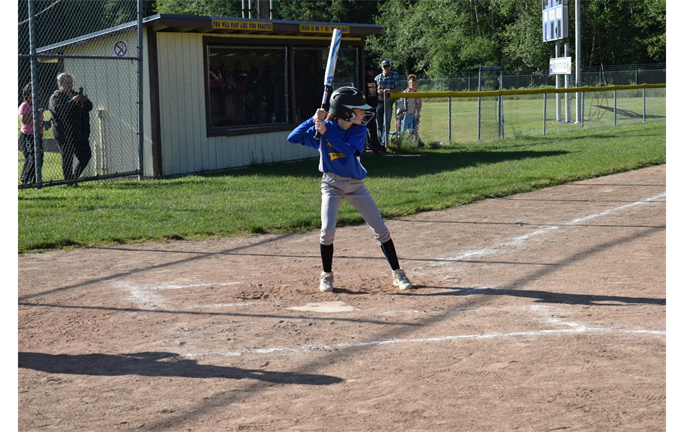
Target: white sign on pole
560,66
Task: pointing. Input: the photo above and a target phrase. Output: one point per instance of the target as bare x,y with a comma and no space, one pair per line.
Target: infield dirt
542,311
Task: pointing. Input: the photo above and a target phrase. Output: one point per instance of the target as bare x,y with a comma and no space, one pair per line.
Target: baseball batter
342,141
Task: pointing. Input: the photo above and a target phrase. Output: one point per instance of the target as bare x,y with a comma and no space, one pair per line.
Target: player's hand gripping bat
330,71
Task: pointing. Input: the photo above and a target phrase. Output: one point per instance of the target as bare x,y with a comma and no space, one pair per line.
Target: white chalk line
575,328
315,347
519,241
141,293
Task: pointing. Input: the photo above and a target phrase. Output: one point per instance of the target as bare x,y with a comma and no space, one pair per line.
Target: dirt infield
542,311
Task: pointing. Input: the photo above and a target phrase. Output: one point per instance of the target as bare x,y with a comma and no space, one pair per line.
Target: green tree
303,10
227,8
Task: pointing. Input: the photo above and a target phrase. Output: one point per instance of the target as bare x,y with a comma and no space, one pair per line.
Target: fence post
141,137
449,120
614,108
37,143
636,74
386,122
501,110
644,105
582,113
544,116
479,104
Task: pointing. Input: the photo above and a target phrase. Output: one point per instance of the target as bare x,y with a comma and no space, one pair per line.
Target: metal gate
82,62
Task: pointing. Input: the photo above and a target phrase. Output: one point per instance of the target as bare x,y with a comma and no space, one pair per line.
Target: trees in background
434,37
443,37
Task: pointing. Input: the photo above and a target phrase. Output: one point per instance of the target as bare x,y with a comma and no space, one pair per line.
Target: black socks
390,254
326,257
387,248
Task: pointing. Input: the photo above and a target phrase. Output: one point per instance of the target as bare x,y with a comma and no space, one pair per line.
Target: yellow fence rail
492,93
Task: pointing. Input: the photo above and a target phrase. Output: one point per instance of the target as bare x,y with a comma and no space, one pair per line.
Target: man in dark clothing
71,121
372,100
388,81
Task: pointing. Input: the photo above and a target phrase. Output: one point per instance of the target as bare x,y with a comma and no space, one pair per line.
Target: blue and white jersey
340,150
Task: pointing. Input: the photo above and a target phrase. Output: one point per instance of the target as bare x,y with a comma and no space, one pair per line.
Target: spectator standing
388,81
408,114
28,173
372,100
71,118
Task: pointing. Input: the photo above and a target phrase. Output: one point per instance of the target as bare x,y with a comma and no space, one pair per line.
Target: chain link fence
80,61
471,119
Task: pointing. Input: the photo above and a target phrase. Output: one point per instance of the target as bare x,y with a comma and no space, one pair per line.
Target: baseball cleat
327,279
399,279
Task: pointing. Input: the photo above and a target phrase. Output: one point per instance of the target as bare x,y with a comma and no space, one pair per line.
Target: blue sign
554,20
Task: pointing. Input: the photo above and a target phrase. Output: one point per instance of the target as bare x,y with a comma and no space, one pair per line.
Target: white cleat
399,279
327,279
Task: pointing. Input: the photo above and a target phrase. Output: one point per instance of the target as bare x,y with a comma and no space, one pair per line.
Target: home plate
325,307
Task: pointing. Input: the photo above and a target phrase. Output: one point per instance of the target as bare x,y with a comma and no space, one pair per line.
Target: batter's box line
142,294
575,328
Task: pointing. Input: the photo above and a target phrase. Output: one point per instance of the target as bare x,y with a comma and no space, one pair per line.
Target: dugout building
219,92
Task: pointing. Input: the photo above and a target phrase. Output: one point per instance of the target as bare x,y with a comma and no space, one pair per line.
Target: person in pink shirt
28,174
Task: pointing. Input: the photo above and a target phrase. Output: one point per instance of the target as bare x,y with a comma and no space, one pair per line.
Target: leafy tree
227,8
304,10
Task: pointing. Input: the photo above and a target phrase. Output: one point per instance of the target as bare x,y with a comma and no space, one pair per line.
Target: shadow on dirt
544,296
157,364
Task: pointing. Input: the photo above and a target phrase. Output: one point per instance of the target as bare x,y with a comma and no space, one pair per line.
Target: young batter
342,141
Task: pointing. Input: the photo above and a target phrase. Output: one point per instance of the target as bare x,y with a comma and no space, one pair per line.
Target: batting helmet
344,100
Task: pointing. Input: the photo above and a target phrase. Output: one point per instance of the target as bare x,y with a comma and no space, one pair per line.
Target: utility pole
578,61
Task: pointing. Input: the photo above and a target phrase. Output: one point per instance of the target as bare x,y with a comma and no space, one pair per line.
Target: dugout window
247,87
309,71
252,87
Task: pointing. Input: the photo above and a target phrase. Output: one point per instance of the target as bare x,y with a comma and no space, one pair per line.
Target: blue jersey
340,150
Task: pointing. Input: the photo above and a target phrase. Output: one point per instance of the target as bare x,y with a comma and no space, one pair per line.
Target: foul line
518,241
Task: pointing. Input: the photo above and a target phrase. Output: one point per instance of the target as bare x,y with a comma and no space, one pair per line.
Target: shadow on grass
391,166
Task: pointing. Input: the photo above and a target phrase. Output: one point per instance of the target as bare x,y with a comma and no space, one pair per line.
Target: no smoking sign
121,49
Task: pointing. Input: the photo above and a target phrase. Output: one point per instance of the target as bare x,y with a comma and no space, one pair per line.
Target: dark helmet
344,100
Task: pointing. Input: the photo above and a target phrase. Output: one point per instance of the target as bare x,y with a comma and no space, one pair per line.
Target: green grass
286,197
524,116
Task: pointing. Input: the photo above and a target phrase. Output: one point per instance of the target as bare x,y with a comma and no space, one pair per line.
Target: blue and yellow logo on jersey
334,156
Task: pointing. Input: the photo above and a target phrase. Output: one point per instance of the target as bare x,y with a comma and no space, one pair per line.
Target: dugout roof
219,25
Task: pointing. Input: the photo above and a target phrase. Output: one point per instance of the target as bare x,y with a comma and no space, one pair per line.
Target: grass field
524,116
286,197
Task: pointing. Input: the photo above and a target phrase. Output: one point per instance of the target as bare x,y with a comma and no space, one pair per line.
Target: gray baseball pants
334,189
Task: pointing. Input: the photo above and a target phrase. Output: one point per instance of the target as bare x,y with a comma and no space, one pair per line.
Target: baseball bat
330,71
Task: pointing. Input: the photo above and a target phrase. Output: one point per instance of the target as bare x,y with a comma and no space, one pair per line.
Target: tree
227,8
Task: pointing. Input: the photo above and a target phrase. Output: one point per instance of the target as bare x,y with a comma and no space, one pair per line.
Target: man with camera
71,120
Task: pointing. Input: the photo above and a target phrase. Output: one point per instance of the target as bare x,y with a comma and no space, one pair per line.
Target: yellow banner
241,25
322,28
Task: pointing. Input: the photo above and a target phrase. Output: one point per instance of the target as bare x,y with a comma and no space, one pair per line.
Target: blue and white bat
330,70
